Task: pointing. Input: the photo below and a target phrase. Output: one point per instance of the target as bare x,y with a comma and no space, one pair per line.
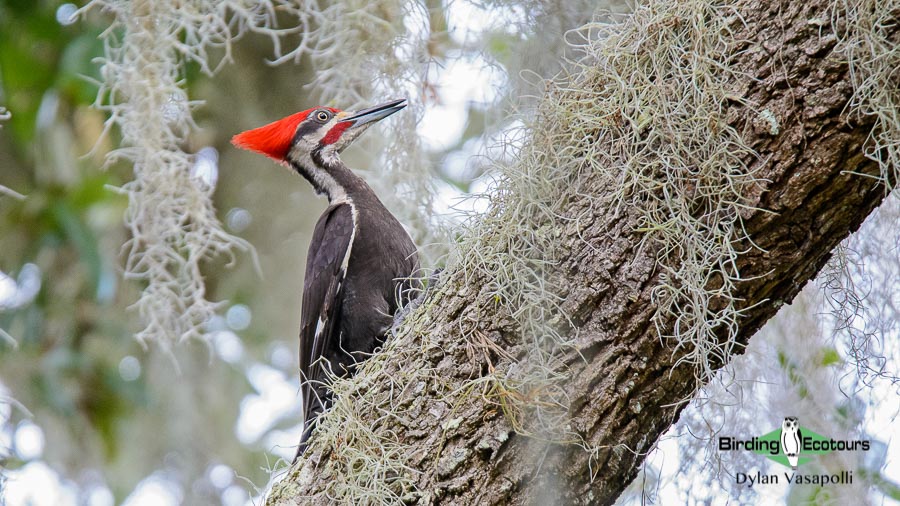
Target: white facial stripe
346,262
322,179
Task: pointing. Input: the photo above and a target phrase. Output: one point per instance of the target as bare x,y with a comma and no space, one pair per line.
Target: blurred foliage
73,335
37,53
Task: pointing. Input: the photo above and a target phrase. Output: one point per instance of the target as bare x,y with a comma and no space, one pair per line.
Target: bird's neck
329,176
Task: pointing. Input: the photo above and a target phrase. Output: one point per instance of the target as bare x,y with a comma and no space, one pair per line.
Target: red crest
273,140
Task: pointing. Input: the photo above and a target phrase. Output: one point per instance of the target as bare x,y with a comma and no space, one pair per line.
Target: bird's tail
307,432
319,399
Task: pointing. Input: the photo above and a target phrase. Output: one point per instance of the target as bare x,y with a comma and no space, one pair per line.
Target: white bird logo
791,439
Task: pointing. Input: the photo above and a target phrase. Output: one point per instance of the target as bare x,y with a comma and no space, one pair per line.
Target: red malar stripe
335,133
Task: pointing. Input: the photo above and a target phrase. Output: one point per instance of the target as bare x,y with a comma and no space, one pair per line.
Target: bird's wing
325,270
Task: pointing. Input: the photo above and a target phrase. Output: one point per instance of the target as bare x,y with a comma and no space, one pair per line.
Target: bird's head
326,129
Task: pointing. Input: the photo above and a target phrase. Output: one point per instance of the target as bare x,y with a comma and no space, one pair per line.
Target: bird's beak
372,114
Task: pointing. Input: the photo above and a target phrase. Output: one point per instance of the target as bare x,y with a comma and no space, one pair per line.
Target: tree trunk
626,384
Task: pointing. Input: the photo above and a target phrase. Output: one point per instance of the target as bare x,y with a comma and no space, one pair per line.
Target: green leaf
830,357
77,67
80,235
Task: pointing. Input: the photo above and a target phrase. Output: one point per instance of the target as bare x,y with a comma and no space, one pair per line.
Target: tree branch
625,384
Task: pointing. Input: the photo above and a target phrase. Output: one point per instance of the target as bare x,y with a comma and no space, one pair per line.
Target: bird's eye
322,116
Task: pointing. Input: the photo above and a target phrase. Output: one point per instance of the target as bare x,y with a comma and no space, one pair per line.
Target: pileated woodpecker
361,261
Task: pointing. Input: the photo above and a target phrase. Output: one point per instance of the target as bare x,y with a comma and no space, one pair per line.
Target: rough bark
625,379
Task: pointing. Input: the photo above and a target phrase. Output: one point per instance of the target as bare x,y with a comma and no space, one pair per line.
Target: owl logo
791,439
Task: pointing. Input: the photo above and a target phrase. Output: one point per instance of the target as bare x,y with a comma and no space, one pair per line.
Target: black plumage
351,310
361,265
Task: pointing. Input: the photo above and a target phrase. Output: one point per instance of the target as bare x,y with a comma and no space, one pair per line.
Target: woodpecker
361,261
